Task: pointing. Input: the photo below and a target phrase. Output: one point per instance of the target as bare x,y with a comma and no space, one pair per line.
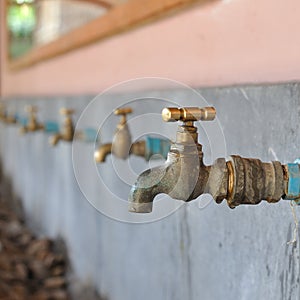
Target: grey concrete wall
198,252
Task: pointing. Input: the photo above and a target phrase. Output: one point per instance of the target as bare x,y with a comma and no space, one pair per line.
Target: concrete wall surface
200,251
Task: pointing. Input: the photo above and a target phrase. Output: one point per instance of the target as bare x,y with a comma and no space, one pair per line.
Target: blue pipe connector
156,146
21,119
89,135
293,183
51,127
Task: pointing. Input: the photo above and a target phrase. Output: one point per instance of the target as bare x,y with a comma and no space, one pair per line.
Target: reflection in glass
21,19
33,23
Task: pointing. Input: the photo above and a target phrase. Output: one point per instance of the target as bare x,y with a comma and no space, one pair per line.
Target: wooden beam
105,3
118,19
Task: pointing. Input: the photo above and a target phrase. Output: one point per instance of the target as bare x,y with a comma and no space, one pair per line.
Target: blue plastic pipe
51,127
157,146
293,188
90,135
21,119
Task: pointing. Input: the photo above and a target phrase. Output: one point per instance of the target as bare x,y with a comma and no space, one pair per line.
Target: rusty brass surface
33,124
255,181
286,179
185,177
67,130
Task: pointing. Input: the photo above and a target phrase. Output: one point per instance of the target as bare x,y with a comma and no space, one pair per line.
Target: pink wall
228,42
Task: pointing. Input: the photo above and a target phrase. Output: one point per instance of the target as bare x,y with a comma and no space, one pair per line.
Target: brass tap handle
188,114
123,111
31,109
66,112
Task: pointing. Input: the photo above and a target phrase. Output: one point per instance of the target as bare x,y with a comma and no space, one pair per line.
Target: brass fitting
33,124
3,112
121,144
187,114
67,131
185,177
123,112
102,152
5,117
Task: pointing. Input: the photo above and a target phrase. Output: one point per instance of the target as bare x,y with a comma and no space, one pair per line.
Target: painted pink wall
225,43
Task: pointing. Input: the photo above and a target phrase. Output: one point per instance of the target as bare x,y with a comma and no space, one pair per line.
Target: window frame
118,19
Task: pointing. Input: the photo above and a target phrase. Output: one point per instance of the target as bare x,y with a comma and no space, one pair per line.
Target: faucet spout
182,177
67,131
55,139
178,177
32,124
102,152
158,180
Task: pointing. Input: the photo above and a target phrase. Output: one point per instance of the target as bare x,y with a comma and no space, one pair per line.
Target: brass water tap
32,123
3,112
122,138
5,117
185,177
67,131
122,145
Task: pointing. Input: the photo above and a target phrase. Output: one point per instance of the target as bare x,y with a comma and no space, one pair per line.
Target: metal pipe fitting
87,135
32,124
67,131
250,181
102,152
5,117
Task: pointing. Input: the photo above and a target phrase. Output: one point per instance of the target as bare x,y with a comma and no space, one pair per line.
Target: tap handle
188,114
31,109
66,112
123,111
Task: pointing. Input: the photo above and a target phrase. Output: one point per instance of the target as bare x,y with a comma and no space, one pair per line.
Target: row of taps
183,176
122,145
30,123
